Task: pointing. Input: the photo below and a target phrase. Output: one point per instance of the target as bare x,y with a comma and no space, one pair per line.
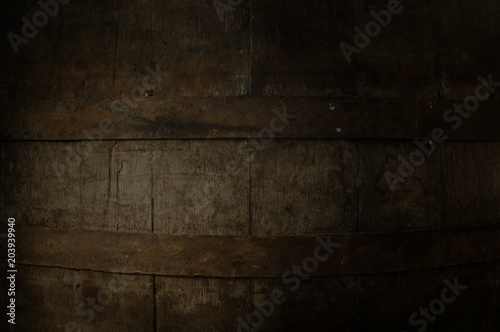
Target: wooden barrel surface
169,171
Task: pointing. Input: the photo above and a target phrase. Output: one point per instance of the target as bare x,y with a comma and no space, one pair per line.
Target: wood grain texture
99,50
214,256
416,203
206,187
106,181
305,187
456,186
200,304
200,188
164,194
464,35
174,187
242,117
471,182
91,54
53,299
296,50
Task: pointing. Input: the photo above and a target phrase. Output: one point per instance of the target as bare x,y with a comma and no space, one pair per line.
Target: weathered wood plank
471,183
233,256
305,187
414,204
242,117
200,304
102,185
52,299
456,186
187,187
130,186
35,193
101,50
296,50
200,188
466,44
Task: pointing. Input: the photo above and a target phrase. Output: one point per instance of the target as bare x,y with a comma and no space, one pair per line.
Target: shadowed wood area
245,117
255,256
